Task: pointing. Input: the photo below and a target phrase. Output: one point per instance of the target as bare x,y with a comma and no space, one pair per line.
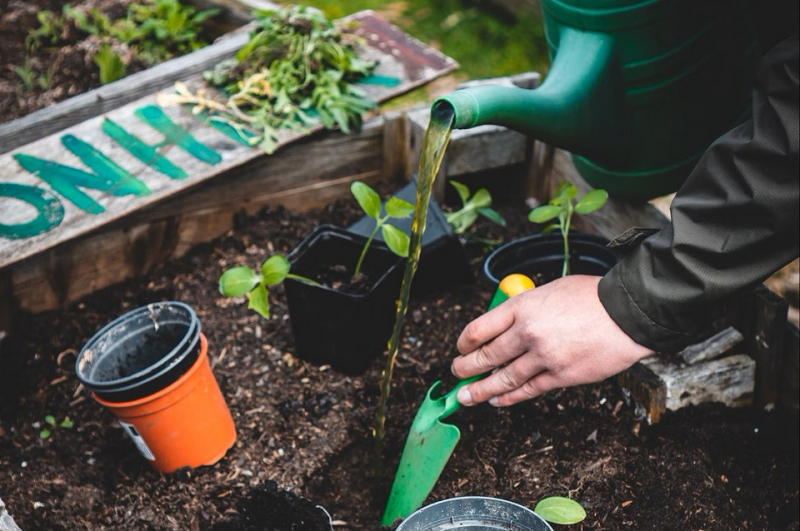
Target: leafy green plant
562,206
242,280
296,71
559,510
50,421
472,206
370,202
111,66
155,30
26,74
50,30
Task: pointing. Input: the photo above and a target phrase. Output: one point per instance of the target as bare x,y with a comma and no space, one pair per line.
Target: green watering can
430,440
637,90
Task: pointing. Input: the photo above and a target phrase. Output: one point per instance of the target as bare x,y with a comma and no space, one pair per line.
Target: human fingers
538,385
494,353
502,381
485,328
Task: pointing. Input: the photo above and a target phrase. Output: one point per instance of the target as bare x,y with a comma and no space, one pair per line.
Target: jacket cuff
631,317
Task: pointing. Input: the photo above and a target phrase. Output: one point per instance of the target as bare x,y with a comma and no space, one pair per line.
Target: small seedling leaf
44,434
463,191
544,213
67,423
566,190
481,198
465,221
259,301
396,240
550,228
50,419
399,208
560,510
492,215
238,281
591,201
275,269
367,198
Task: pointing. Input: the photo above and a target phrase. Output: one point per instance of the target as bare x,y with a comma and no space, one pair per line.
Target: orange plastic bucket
184,424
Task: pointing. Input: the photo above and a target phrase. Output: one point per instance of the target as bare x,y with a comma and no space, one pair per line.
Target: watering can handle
511,285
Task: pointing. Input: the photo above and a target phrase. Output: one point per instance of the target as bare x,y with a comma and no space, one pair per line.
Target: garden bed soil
58,72
304,431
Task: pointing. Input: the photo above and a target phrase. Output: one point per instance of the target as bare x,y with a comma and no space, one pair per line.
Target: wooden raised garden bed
305,430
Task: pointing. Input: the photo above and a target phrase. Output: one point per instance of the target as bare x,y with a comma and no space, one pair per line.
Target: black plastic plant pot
141,352
442,262
346,330
541,257
474,513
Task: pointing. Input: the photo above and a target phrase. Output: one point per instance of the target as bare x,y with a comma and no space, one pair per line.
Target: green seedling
111,66
370,202
296,71
242,280
559,510
50,30
50,420
472,206
562,206
155,30
26,74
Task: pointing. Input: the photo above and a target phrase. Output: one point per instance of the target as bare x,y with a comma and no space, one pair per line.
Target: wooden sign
78,180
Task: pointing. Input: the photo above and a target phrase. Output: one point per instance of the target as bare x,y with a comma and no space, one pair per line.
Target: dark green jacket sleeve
734,222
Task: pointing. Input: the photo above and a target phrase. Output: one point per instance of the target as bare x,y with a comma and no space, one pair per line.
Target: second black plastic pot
541,257
333,327
140,352
443,261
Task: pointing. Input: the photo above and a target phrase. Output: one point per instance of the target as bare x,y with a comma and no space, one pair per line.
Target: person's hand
556,335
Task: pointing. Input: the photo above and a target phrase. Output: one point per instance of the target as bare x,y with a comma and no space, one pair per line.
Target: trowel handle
511,285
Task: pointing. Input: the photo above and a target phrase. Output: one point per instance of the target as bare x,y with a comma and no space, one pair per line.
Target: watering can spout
563,111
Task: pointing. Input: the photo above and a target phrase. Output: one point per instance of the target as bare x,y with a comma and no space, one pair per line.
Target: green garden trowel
430,441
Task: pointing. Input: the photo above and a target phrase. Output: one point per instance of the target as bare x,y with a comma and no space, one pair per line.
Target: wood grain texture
729,380
713,347
399,57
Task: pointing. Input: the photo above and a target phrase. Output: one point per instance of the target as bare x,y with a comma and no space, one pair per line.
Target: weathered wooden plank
728,380
82,107
647,390
769,334
399,57
302,176
713,347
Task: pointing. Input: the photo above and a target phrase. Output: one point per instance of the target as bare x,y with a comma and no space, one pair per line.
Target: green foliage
479,203
50,420
50,30
296,71
242,280
396,208
155,30
111,66
485,43
26,74
559,510
562,206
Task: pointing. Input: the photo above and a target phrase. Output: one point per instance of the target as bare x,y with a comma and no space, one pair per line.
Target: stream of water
436,139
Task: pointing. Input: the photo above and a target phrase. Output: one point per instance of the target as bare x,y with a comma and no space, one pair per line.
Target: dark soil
59,70
305,431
